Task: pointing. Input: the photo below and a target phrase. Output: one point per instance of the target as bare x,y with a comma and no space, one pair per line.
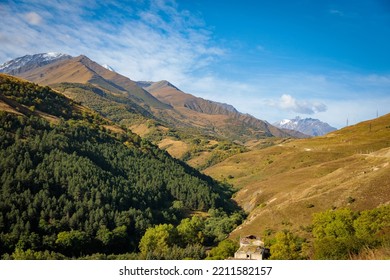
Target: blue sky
272,59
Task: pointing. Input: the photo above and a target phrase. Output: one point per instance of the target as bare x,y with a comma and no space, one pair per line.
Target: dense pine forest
74,185
71,187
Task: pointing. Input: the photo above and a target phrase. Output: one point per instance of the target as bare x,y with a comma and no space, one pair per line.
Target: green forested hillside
195,147
74,188
115,107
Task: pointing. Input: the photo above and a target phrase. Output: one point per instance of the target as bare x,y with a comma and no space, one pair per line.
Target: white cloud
153,40
156,40
33,18
287,102
331,98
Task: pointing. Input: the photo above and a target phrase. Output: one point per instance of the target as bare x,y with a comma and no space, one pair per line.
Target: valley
74,185
243,176
159,112
284,185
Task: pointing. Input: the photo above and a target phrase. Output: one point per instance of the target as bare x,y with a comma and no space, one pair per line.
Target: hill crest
83,70
284,184
28,62
159,101
223,117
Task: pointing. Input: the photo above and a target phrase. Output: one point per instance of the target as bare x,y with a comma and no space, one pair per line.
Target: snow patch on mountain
108,67
28,62
52,55
284,122
309,126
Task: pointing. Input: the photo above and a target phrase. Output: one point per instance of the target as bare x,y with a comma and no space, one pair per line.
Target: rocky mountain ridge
162,100
28,62
309,126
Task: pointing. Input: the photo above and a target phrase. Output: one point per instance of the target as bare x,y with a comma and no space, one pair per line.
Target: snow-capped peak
28,62
307,126
108,67
284,122
52,55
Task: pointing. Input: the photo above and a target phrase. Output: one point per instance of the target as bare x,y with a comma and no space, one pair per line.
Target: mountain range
75,183
157,111
28,62
71,146
309,126
284,184
161,99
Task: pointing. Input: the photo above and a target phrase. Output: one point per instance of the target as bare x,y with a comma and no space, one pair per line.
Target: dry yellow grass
199,160
382,253
140,129
5,107
283,185
114,128
175,148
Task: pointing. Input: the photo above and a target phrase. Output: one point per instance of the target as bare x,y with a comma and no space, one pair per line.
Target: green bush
287,246
339,234
224,250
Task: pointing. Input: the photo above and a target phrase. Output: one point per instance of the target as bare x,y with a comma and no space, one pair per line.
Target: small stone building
251,248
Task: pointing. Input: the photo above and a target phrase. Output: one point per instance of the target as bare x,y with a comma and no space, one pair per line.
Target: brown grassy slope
83,70
169,94
214,117
7,106
283,185
175,148
71,71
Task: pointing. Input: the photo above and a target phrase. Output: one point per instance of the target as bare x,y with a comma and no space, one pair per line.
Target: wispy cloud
287,102
154,40
33,18
336,12
274,96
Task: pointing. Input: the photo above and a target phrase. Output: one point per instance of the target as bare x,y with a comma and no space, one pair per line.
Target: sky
327,59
